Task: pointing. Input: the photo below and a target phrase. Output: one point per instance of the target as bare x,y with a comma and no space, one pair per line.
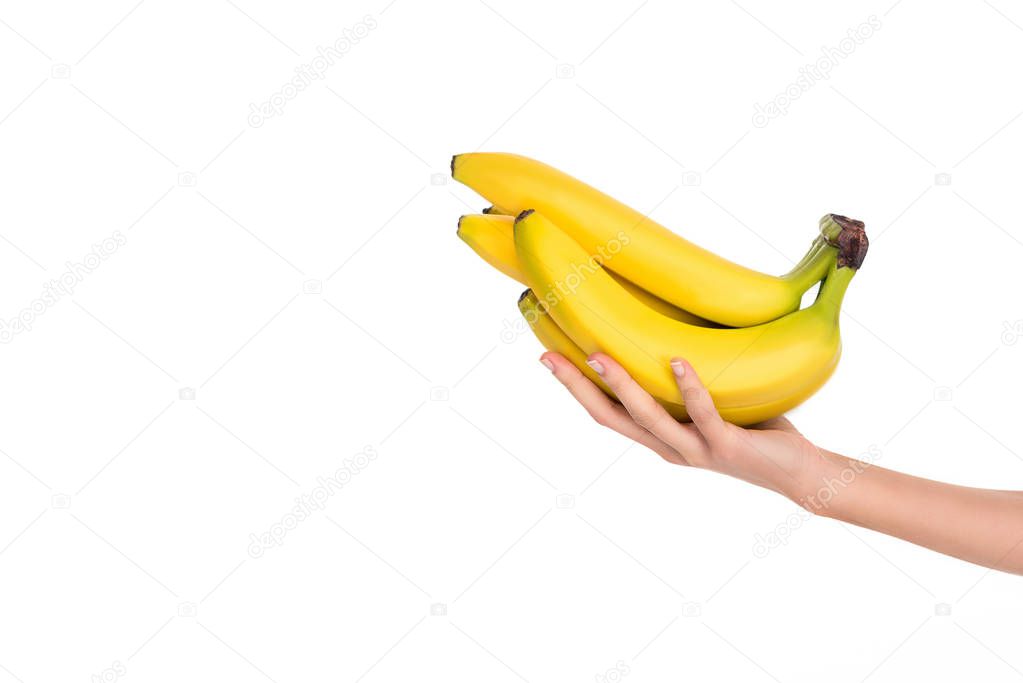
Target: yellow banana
554,339
490,236
753,373
645,253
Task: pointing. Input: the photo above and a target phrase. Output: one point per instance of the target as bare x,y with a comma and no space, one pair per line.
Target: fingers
647,413
698,403
602,409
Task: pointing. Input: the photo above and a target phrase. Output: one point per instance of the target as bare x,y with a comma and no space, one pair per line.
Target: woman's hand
978,525
772,454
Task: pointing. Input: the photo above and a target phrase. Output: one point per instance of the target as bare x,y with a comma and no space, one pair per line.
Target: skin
982,526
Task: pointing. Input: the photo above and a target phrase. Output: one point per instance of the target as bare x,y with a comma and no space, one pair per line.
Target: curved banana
645,253
490,236
554,339
753,373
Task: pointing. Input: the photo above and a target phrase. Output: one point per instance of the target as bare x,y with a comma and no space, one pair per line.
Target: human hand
772,454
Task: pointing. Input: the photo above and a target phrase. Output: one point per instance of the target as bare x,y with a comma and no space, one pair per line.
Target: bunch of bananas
604,277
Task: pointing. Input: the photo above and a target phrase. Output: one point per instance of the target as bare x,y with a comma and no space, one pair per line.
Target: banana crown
848,236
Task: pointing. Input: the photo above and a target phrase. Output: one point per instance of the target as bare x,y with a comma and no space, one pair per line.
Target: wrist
824,482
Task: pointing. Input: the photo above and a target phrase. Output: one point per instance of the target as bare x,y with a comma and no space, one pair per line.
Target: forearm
977,525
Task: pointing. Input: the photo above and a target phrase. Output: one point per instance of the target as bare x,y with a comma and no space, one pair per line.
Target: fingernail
597,367
678,368
547,364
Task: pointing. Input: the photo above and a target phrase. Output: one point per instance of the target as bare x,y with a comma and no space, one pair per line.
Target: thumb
698,402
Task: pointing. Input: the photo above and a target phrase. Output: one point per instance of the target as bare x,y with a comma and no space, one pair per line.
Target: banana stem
840,234
849,236
808,256
814,265
832,291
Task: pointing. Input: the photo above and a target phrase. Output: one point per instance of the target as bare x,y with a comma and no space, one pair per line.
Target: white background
127,510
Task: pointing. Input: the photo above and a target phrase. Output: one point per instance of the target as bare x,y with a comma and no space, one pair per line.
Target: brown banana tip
852,241
847,222
458,230
522,216
453,165
524,295
488,210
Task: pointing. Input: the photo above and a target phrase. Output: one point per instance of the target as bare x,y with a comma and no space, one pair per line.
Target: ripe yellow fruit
753,373
553,339
646,254
490,236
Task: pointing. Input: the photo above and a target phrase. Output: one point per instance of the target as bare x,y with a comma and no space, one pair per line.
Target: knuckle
602,417
647,417
571,383
728,449
694,395
684,460
700,461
